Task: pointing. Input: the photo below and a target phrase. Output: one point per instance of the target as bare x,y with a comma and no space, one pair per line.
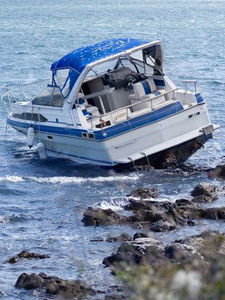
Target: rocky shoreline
143,252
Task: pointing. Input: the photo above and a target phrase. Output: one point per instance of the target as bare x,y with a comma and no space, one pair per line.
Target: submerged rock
144,193
54,285
98,216
27,255
204,192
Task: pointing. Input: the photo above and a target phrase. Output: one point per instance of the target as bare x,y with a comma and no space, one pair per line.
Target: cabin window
50,96
30,117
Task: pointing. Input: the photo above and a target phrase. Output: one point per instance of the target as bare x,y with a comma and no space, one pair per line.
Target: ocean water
42,202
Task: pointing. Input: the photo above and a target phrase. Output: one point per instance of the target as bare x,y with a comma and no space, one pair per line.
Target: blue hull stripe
109,132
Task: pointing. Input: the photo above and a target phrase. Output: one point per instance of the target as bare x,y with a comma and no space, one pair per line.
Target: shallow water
41,203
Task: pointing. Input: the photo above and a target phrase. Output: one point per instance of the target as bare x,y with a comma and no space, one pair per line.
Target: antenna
160,27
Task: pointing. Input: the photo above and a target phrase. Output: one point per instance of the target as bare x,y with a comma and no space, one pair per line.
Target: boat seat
89,109
146,90
143,89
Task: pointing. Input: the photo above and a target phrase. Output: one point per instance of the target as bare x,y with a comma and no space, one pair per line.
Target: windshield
50,96
134,64
64,79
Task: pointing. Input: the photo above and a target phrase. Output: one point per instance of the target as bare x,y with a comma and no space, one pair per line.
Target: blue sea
42,202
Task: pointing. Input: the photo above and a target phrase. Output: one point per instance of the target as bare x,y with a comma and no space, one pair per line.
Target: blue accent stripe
146,87
108,132
199,98
159,82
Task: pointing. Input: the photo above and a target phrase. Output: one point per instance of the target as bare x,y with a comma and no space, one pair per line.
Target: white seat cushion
144,88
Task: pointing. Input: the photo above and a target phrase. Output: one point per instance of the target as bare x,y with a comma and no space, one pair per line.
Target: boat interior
129,89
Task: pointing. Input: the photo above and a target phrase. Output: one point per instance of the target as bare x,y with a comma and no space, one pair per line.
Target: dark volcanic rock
181,253
27,255
54,285
98,216
208,244
144,193
29,282
159,216
200,249
204,192
148,249
218,172
162,225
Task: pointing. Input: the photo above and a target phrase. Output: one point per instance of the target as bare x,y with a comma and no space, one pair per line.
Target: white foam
12,178
79,180
114,204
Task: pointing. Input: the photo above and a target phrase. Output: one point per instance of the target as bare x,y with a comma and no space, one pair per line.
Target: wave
114,204
11,178
79,180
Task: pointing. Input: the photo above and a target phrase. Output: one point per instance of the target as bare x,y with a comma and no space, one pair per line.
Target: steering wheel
129,80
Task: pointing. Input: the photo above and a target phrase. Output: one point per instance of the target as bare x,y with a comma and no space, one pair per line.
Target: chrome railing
194,82
15,93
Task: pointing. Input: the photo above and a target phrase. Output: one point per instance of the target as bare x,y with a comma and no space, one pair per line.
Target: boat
112,105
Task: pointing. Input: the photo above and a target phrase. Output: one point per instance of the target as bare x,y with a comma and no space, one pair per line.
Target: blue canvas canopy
78,59
83,56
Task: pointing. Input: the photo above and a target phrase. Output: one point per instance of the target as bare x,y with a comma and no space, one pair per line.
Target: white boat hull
129,146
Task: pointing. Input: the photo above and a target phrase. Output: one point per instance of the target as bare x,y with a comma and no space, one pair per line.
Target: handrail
130,105
139,102
8,99
194,81
24,84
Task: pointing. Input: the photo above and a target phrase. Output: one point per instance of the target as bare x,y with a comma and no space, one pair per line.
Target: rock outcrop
182,252
27,255
144,193
54,285
97,216
204,192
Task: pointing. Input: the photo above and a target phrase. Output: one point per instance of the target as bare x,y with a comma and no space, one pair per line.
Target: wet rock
157,216
181,253
121,238
29,282
170,160
217,172
204,192
161,225
208,244
200,249
98,216
144,193
158,213
27,255
135,252
54,285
